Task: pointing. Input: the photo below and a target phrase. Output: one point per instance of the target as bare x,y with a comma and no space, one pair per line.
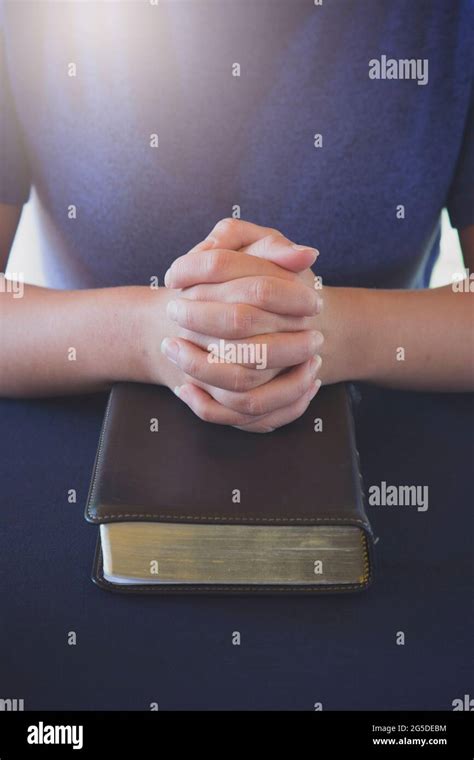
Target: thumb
281,251
263,242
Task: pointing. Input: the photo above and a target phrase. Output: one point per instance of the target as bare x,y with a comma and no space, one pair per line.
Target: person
345,127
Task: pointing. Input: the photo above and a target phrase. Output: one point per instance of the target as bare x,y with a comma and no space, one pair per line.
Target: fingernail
168,278
172,310
314,366
177,390
313,251
317,340
170,349
316,387
319,304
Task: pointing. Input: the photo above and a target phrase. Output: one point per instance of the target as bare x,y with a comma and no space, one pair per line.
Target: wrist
149,325
345,325
119,326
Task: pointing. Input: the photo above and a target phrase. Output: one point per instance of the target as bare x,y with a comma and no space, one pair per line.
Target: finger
230,320
198,364
237,233
219,265
259,352
281,251
209,410
284,416
273,294
270,243
204,245
280,392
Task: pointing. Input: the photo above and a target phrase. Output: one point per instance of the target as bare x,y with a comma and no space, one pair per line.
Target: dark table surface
341,650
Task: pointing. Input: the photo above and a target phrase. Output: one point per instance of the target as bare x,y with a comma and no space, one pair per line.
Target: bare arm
59,342
400,338
412,339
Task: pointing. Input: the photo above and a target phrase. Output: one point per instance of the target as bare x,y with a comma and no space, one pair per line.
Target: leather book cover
158,462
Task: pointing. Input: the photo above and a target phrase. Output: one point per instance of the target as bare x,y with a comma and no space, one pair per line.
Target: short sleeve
460,202
14,171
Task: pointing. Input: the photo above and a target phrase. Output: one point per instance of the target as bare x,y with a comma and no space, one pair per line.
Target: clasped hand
245,284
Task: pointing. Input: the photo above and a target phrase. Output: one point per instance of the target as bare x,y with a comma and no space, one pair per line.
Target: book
186,506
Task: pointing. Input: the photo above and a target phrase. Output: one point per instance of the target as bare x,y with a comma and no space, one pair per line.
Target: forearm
58,342
419,340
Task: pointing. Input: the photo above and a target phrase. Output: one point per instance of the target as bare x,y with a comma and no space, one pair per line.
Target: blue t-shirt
156,120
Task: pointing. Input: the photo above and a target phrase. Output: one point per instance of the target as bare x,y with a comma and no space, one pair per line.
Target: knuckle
263,290
210,263
190,365
240,319
226,225
251,404
241,380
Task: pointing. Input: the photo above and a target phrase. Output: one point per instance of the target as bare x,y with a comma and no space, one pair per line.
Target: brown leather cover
187,470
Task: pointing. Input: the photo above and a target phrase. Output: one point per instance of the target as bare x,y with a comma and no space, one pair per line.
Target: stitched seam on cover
200,518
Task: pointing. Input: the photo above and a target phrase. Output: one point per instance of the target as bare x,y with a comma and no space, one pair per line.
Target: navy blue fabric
248,140
340,650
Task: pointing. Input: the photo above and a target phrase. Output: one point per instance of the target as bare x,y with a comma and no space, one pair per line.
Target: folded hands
250,293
